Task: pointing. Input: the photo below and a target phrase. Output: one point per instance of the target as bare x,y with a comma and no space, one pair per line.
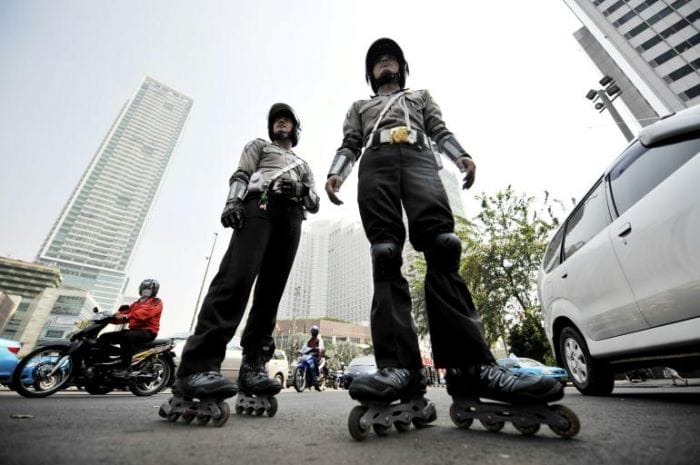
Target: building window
690,93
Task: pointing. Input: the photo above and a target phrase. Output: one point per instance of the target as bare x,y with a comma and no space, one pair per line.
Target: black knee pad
386,261
267,348
444,252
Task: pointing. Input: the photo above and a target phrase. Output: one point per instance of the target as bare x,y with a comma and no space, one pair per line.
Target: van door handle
624,230
565,275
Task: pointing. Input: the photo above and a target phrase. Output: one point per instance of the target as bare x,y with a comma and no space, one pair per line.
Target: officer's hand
124,308
332,186
290,188
467,166
233,215
120,316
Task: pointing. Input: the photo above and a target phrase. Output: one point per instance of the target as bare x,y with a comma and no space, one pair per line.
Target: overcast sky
508,75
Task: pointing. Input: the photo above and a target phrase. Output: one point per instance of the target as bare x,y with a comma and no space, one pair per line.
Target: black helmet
282,109
314,331
385,46
151,284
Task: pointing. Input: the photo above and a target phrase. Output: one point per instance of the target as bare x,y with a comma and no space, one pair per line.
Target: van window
590,217
641,170
552,255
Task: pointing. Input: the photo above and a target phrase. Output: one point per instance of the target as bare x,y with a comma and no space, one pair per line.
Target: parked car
619,283
533,367
8,359
358,366
277,367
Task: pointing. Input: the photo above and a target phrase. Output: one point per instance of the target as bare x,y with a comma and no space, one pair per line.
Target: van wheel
590,376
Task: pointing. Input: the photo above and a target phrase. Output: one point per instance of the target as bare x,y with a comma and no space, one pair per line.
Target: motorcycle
88,364
303,372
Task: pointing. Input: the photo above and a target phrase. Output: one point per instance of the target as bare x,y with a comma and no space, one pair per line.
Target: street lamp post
610,89
201,288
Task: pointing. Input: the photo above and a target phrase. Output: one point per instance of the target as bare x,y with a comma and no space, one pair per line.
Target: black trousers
264,249
391,176
128,340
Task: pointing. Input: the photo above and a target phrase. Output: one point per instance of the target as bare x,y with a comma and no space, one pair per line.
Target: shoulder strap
381,117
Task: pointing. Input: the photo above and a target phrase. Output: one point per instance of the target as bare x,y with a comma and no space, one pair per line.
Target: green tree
502,250
527,339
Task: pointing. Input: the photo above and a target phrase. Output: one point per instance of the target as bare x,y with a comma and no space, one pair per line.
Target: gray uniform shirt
424,115
261,160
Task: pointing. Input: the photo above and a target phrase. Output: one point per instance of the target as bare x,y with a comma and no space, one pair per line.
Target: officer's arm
310,200
350,150
447,143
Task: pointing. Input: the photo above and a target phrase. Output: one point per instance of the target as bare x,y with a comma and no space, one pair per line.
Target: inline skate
520,399
200,396
378,409
256,390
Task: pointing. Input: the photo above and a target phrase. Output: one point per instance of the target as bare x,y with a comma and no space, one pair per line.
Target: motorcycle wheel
299,379
98,389
158,370
32,376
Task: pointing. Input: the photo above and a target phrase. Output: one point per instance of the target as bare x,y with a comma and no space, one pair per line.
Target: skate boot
200,396
522,400
378,394
257,390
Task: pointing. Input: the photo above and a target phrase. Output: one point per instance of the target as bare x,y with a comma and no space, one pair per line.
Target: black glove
123,308
233,215
289,188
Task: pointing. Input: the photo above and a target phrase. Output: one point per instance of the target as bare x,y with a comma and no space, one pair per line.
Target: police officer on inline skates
269,194
394,129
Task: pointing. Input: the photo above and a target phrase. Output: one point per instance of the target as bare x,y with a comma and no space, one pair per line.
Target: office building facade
650,48
24,281
94,238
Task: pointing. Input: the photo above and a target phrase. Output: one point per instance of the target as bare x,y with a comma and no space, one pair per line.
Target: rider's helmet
380,47
282,109
314,331
149,287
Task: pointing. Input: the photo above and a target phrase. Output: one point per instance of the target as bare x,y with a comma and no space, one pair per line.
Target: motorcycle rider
143,317
270,193
317,349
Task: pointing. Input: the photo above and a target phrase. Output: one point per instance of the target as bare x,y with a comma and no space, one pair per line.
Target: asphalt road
640,424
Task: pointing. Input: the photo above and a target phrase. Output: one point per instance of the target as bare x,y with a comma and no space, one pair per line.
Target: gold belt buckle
399,135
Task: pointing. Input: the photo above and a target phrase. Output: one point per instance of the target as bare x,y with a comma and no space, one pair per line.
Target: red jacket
145,314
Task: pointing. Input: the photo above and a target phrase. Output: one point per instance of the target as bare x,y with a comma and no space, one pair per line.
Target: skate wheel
402,426
225,412
356,430
249,411
461,423
173,416
161,412
272,410
260,411
570,416
239,409
187,417
420,422
527,430
381,430
203,419
493,426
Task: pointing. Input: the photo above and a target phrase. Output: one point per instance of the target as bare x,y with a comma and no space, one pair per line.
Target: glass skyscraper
93,240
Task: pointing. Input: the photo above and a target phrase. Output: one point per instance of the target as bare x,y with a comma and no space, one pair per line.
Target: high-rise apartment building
93,240
650,48
331,276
